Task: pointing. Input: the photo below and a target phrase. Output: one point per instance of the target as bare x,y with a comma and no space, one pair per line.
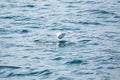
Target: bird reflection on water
64,43
61,43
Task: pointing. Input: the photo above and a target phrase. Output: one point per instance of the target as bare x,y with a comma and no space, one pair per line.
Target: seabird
60,35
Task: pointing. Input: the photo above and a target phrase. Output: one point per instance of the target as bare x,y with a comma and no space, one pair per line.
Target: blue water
30,50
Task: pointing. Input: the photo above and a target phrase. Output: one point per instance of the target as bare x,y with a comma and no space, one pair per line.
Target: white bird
60,35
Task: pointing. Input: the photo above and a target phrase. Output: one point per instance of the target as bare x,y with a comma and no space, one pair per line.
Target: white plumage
60,35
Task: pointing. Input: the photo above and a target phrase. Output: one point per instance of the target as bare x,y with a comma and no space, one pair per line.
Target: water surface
29,49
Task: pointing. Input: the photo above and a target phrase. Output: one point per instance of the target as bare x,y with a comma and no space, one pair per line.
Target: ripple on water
58,58
29,6
37,73
24,31
82,22
75,62
84,41
64,78
117,16
83,72
98,11
90,52
4,31
9,67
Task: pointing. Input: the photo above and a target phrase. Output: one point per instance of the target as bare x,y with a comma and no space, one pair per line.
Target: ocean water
30,50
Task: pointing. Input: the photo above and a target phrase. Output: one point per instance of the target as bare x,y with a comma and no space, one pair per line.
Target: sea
30,49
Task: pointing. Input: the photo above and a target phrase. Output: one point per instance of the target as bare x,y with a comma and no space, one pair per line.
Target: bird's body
60,35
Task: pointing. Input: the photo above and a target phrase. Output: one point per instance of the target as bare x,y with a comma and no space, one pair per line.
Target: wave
82,22
75,62
45,72
9,67
97,11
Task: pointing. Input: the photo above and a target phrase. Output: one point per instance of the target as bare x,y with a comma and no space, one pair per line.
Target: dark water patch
2,72
33,27
64,78
9,17
32,49
9,67
71,6
25,57
60,43
98,68
83,72
49,35
84,41
117,16
64,43
41,73
117,67
44,8
66,28
118,1
54,14
24,31
4,31
79,15
112,32
102,17
73,2
6,37
94,44
37,40
111,51
6,55
2,6
43,41
89,23
82,22
92,2
47,5
36,58
75,62
29,6
98,72
46,72
58,58
23,23
117,40
9,74
16,18
111,67
56,24
110,21
94,11
23,19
